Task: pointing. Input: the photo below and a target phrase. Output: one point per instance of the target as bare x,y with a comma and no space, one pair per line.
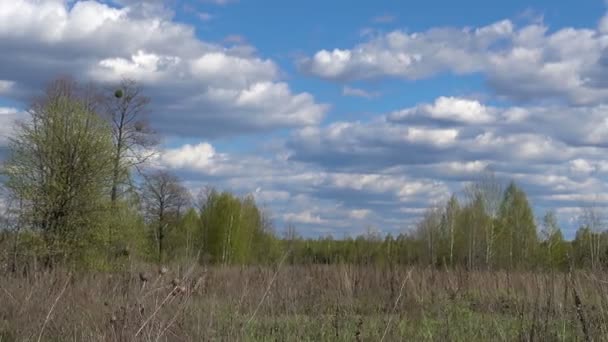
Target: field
303,303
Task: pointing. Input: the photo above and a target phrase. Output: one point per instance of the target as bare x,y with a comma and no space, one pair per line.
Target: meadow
303,303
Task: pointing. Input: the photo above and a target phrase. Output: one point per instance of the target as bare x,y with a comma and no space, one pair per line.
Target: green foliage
233,229
59,168
517,229
583,246
555,247
183,242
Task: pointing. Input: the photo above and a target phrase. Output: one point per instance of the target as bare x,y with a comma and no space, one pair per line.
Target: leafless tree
126,107
164,199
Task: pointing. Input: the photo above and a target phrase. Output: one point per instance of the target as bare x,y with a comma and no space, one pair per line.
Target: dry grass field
303,303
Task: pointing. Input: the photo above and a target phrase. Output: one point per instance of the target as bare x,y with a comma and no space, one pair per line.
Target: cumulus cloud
527,63
450,109
449,131
214,90
303,217
199,157
557,153
412,56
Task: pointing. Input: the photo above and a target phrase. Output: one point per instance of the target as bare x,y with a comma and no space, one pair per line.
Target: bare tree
126,108
165,199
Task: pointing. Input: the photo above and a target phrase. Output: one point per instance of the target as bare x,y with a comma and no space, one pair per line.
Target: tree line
78,190
490,228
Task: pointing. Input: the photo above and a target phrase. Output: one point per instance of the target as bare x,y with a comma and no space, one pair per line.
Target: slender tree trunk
451,242
161,233
17,236
490,237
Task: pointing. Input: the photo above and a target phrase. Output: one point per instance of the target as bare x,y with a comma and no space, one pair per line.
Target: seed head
143,277
175,282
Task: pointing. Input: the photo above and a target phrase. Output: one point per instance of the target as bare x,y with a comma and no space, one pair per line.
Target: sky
342,115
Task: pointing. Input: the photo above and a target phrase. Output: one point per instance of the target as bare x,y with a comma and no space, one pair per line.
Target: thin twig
9,295
267,290
155,311
579,310
174,318
48,315
390,319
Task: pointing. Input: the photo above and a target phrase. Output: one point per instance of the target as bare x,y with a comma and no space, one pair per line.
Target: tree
591,218
472,221
234,229
448,223
553,240
489,191
428,231
126,108
59,168
182,241
164,199
581,251
517,227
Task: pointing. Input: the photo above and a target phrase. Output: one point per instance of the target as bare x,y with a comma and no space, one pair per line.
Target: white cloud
303,217
198,157
431,136
410,55
359,214
581,166
449,108
527,63
214,90
469,111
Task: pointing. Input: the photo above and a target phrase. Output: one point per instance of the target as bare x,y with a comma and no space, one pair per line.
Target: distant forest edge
81,190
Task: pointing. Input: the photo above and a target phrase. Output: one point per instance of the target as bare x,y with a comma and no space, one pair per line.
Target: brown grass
313,303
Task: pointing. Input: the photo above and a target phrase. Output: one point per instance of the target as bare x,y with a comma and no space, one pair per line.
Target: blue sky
343,115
